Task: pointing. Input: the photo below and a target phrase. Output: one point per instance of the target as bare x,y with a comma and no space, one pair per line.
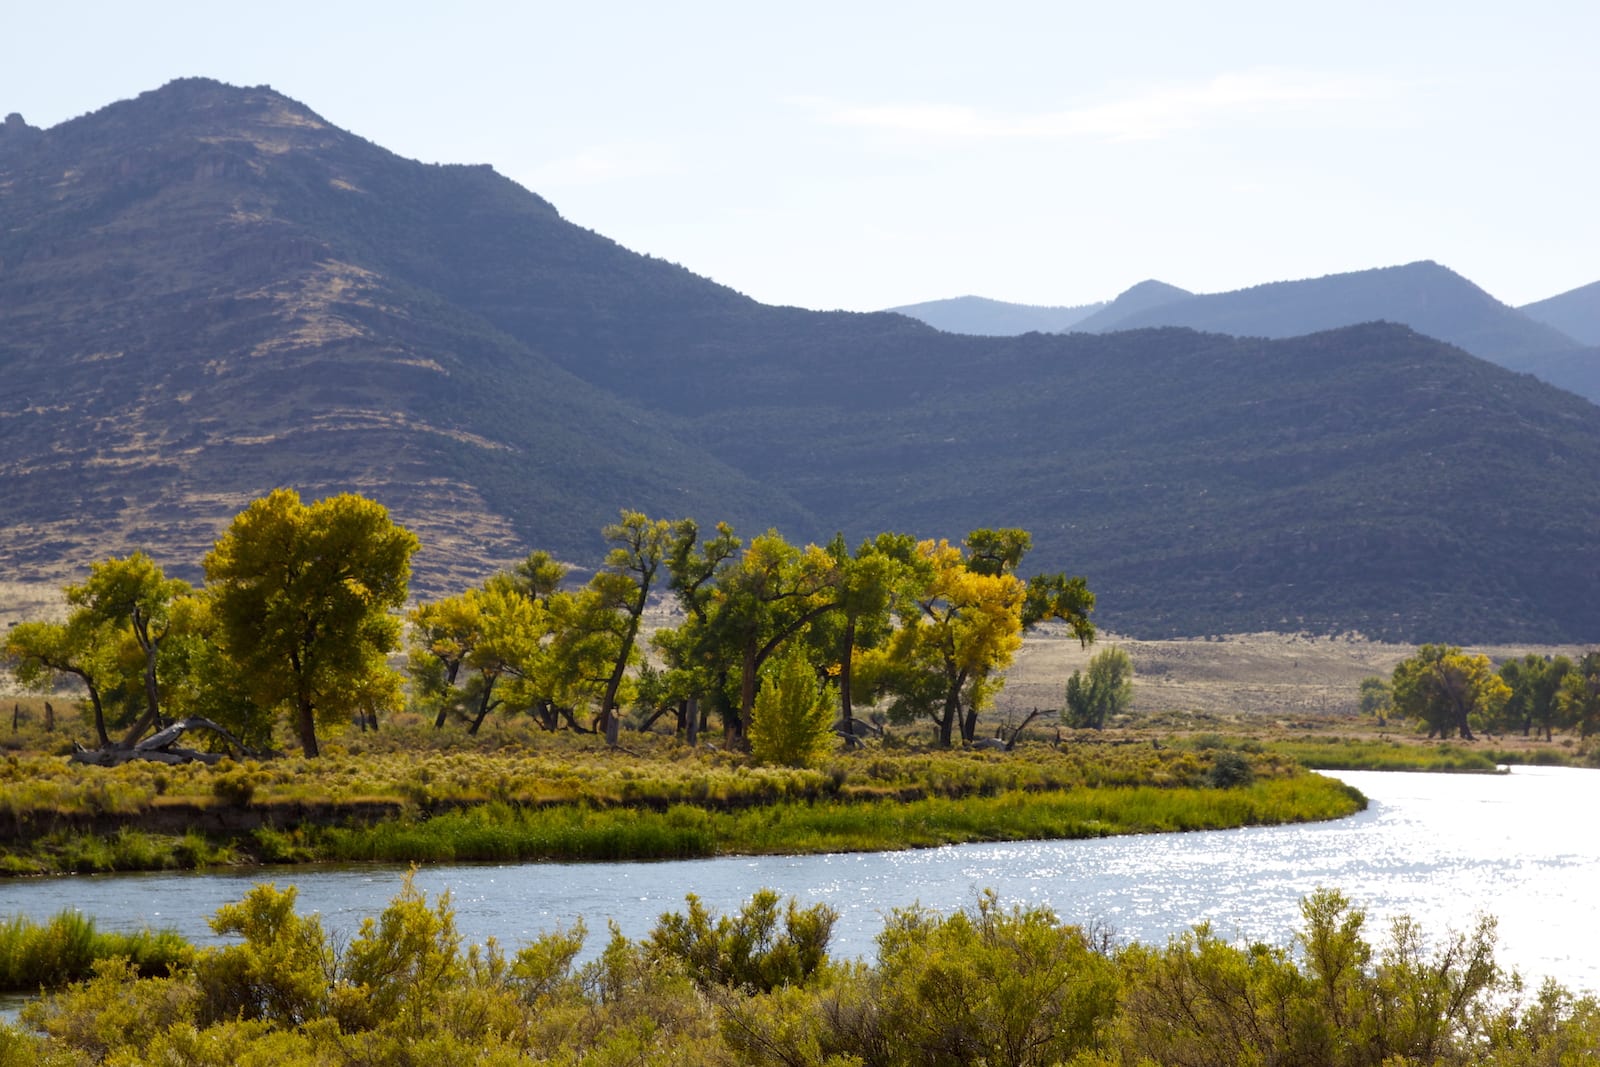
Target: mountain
995,318
1144,297
208,291
1424,296
1575,313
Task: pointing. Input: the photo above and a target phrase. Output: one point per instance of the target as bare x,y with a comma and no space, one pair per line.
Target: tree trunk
846,706
152,693
947,721
692,715
306,727
608,703
1011,742
655,717
577,727
486,704
747,689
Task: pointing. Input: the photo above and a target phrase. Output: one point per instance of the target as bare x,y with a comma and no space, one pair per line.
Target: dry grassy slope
1285,676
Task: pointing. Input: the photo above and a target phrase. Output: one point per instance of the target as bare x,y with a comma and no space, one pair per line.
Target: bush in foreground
987,984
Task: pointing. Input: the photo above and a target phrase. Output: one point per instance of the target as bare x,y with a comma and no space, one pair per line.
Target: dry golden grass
1287,677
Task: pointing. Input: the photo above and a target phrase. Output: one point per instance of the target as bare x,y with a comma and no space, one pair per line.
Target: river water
1441,848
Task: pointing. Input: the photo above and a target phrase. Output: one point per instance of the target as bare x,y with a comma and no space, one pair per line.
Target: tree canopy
1447,689
304,595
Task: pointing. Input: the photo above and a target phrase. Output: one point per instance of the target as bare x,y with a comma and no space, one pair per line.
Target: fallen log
162,747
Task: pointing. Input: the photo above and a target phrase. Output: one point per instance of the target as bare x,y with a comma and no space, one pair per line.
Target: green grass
498,832
34,956
1346,754
413,794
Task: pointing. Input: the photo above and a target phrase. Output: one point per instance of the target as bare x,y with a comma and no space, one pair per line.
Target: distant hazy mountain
1425,296
1575,313
1144,297
994,318
207,292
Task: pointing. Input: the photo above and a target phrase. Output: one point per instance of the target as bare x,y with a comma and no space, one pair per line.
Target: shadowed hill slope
1575,313
1140,299
207,292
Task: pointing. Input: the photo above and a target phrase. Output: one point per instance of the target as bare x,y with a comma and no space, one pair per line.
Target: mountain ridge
984,317
1575,312
228,294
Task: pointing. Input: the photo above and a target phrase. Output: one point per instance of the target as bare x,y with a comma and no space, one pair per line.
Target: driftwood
856,731
1006,745
163,747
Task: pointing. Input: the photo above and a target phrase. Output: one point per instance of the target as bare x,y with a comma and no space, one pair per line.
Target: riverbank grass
35,956
396,804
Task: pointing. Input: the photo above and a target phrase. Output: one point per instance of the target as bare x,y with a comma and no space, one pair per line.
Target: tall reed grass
47,956
498,832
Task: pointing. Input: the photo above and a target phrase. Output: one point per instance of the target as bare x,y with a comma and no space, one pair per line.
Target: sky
866,155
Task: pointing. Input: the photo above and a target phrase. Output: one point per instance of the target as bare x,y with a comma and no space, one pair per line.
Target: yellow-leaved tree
959,629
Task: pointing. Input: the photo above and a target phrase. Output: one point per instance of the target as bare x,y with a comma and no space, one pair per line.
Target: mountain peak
16,133
1145,296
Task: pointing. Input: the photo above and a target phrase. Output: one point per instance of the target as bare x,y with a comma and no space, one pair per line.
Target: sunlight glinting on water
1441,848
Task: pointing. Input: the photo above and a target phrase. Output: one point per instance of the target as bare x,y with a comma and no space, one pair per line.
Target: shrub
1229,769
1105,690
792,724
747,950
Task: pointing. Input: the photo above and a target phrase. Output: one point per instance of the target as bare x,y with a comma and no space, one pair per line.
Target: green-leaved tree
304,596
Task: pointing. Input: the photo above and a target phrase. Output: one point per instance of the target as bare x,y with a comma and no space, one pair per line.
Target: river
1441,848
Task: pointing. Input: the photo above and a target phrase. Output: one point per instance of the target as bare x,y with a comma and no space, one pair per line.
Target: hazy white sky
858,155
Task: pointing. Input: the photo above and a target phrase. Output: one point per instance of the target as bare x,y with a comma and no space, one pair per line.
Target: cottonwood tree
766,597
1445,688
695,670
882,571
132,597
111,641
1535,684
622,587
1579,699
463,645
304,597
39,651
958,630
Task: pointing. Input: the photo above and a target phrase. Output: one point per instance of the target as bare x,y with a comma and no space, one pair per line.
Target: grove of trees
300,615
296,620
1450,691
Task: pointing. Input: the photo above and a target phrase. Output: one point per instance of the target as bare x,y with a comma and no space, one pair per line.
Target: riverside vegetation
410,792
985,984
293,634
